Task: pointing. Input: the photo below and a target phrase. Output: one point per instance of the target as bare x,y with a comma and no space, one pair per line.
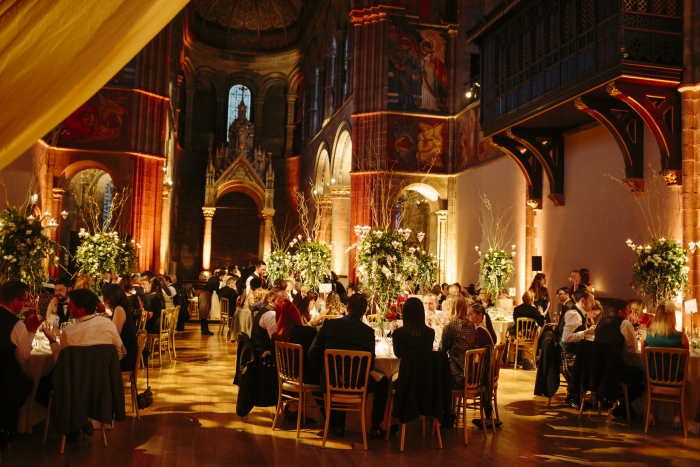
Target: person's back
404,341
608,331
346,333
526,310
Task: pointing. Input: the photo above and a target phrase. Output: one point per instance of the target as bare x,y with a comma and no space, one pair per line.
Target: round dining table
501,328
39,363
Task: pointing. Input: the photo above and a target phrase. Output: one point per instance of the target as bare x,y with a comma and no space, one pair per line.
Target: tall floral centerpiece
104,252
25,247
385,260
495,270
312,262
427,271
660,272
279,265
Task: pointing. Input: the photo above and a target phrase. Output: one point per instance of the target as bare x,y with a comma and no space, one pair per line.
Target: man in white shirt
90,328
14,335
434,319
260,273
575,330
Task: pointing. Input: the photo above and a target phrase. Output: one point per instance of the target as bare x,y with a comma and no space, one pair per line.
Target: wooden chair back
498,351
667,367
372,318
526,330
143,317
173,319
290,362
166,320
223,302
474,366
346,370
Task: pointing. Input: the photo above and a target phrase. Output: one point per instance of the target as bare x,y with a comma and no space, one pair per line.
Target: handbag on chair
145,399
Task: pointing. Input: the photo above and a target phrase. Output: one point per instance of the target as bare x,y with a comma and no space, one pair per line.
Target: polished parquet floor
192,422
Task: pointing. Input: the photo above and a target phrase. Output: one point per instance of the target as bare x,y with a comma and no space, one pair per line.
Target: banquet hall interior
224,131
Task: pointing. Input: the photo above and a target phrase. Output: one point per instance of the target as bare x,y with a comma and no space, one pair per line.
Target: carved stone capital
557,199
635,185
534,203
612,90
339,191
208,212
578,102
671,177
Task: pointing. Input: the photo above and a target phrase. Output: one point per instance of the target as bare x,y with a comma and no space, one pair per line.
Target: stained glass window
235,95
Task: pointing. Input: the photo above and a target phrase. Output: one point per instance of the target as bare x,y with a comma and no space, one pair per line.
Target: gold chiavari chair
474,372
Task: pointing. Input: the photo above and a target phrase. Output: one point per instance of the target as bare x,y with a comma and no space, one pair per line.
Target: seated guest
573,330
484,339
290,329
565,303
90,329
15,347
485,299
153,304
458,336
122,317
662,333
444,292
596,313
249,298
229,292
415,335
306,305
619,332
350,333
434,319
638,316
134,301
59,305
527,309
265,321
334,307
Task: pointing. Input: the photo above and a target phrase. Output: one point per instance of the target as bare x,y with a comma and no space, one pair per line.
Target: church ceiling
247,25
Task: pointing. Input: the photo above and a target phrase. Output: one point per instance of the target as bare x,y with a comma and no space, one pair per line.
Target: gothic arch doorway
235,231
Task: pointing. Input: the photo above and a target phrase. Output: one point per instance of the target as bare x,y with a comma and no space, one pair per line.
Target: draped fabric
55,54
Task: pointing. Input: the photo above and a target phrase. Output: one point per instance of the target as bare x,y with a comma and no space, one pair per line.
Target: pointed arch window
236,94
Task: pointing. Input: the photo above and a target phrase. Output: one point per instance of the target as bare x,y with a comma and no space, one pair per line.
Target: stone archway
339,191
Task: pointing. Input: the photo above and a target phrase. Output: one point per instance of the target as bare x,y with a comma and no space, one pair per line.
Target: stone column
338,98
530,246
56,209
267,235
261,237
441,248
189,90
289,143
690,197
206,247
326,210
340,229
165,228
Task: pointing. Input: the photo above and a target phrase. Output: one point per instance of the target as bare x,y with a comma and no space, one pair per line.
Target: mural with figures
417,143
104,118
417,72
472,150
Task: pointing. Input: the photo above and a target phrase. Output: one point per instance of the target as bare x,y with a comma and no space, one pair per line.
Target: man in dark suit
229,291
350,333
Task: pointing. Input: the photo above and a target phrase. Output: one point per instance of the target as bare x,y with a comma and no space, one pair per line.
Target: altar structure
239,168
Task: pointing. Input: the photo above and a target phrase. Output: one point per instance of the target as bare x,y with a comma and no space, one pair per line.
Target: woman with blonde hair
662,333
458,336
83,282
334,306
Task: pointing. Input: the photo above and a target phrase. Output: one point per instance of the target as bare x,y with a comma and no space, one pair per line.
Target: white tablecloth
39,364
501,328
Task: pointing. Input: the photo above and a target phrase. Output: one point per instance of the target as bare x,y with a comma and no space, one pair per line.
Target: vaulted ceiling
247,25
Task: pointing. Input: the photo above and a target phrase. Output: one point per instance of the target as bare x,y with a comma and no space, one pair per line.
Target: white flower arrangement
102,253
279,265
660,272
312,263
495,270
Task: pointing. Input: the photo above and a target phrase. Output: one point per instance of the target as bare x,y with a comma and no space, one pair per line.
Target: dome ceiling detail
246,24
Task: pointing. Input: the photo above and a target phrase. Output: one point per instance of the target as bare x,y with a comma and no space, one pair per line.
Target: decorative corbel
660,108
528,163
627,127
548,147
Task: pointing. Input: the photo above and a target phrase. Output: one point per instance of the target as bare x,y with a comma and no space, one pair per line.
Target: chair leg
328,420
483,419
436,424
134,398
63,444
495,403
582,400
403,435
388,420
422,428
682,402
463,409
364,426
174,350
646,422
493,422
279,407
104,433
627,402
48,417
300,409
515,356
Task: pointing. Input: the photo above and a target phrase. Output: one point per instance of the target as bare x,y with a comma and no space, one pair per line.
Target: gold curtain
55,54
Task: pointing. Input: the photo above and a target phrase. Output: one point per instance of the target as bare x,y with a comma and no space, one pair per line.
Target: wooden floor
192,422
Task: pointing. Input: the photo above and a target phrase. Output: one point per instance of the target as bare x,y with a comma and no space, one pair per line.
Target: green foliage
279,265
312,262
660,272
25,247
427,274
386,261
102,253
495,270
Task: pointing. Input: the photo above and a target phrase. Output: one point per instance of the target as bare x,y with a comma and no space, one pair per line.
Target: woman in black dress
153,303
115,298
540,292
415,335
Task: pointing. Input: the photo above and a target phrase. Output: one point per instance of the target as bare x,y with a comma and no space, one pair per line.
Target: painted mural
417,71
102,119
416,144
472,150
